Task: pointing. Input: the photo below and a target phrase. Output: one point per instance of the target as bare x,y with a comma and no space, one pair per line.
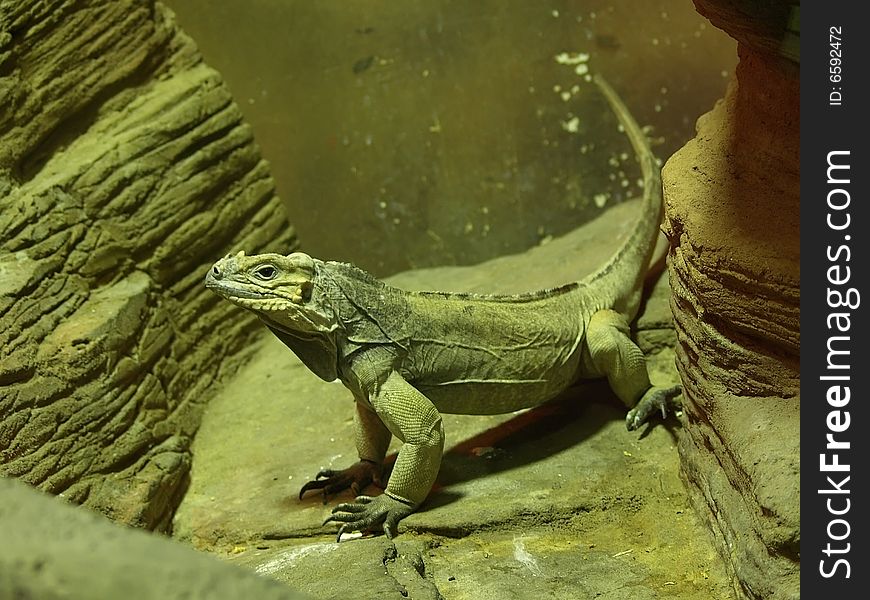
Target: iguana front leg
372,441
616,356
411,417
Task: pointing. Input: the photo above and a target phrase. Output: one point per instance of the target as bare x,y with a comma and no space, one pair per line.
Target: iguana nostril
216,271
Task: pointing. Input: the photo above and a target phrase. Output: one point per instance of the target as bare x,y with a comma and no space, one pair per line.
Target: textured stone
125,169
732,216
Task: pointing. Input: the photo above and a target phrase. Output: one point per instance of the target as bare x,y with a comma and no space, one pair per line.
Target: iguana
407,357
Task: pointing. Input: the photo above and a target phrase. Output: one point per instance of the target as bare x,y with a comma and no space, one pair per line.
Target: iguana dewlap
408,357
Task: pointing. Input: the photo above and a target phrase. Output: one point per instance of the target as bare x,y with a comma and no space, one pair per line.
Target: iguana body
407,357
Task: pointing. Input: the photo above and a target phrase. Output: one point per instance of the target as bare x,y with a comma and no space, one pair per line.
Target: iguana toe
356,477
367,512
656,398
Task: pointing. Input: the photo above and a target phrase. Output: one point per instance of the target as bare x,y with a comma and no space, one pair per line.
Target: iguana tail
619,282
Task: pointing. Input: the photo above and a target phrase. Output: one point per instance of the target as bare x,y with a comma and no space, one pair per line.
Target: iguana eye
266,272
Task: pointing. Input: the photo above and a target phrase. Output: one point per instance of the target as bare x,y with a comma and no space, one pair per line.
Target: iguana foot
355,477
367,512
656,398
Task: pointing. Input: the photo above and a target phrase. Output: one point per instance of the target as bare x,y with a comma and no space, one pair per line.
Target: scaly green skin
407,357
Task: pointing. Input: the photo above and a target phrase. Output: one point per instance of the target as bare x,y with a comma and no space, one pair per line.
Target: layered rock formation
125,170
732,217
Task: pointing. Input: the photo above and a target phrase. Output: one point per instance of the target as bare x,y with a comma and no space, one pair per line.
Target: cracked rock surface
558,501
125,169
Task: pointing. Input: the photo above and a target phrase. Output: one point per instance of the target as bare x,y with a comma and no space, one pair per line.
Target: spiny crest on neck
352,271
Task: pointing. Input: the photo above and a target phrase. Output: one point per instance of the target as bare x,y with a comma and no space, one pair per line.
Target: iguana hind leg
613,354
656,399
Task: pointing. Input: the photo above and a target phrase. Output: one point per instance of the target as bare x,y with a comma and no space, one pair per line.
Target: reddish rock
732,217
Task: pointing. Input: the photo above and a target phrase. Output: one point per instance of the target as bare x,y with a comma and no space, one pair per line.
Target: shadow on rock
529,437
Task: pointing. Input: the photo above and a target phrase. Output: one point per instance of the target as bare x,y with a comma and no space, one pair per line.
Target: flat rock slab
557,501
52,549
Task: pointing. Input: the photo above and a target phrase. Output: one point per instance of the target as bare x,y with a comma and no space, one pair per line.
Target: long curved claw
656,398
324,480
367,512
355,477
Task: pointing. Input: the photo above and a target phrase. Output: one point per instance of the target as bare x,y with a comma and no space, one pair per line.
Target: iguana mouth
231,291
248,294
260,303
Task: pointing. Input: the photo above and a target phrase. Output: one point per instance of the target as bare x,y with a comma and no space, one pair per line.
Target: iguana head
280,289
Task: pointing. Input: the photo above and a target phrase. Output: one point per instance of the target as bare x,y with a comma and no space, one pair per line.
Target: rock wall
125,170
732,216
